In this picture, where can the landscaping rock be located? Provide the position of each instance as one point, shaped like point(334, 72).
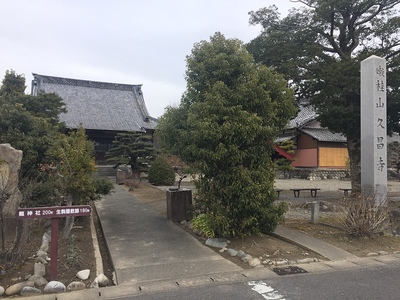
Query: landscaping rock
point(30, 291)
point(216, 243)
point(38, 281)
point(83, 275)
point(41, 260)
point(54, 287)
point(44, 246)
point(246, 258)
point(372, 254)
point(383, 253)
point(46, 237)
point(267, 262)
point(102, 280)
point(280, 262)
point(94, 284)
point(41, 253)
point(2, 290)
point(306, 260)
point(15, 288)
point(255, 262)
point(11, 163)
point(232, 252)
point(39, 269)
point(240, 254)
point(76, 286)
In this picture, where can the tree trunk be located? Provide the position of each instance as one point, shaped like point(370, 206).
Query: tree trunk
point(23, 233)
point(69, 222)
point(354, 146)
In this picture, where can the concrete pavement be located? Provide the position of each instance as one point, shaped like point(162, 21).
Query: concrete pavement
point(328, 251)
point(145, 246)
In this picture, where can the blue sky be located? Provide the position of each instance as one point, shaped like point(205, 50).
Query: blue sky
point(134, 42)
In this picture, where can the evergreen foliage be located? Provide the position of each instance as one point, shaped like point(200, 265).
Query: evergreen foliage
point(74, 157)
point(48, 106)
point(75, 163)
point(283, 163)
point(23, 129)
point(223, 129)
point(160, 172)
point(134, 149)
point(13, 85)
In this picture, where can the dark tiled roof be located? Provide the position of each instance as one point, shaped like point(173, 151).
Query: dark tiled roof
point(305, 115)
point(324, 135)
point(98, 105)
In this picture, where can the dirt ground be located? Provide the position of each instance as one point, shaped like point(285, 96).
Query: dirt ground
point(78, 253)
point(74, 255)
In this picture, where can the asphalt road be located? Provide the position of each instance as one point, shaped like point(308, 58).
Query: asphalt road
point(362, 283)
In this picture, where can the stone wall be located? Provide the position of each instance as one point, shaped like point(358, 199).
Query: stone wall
point(313, 174)
point(323, 174)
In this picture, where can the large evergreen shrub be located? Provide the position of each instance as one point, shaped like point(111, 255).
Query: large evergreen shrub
point(161, 173)
point(223, 130)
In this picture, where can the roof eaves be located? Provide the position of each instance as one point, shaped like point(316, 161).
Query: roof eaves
point(324, 135)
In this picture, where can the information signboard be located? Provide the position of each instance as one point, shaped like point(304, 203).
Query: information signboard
point(54, 213)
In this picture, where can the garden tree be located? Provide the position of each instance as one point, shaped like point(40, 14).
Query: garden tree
point(45, 105)
point(171, 128)
point(23, 131)
point(73, 157)
point(28, 127)
point(13, 85)
point(224, 129)
point(161, 172)
point(132, 148)
point(319, 48)
point(282, 163)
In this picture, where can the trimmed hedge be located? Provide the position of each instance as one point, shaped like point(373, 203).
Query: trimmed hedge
point(161, 173)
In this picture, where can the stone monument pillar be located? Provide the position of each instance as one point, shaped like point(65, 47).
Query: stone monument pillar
point(374, 129)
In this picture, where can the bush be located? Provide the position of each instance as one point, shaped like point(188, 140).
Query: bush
point(362, 218)
point(161, 173)
point(102, 186)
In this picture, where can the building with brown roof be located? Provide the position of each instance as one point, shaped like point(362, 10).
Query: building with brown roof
point(316, 147)
point(102, 108)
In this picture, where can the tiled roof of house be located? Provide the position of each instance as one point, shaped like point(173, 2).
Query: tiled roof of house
point(305, 115)
point(98, 105)
point(306, 121)
point(324, 135)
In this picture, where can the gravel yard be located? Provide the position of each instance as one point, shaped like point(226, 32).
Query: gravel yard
point(329, 188)
point(329, 194)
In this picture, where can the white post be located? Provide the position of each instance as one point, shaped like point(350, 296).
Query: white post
point(374, 129)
